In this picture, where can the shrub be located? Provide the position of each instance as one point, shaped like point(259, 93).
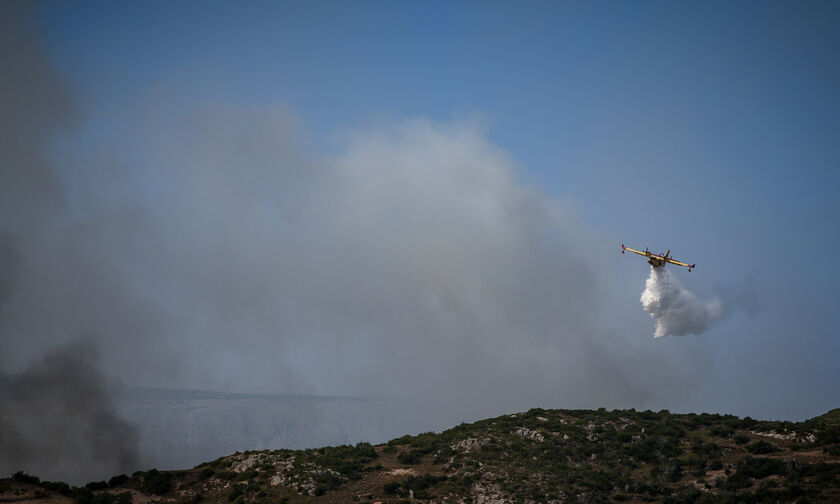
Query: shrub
point(741, 439)
point(685, 495)
point(156, 482)
point(410, 457)
point(56, 486)
point(124, 498)
point(832, 449)
point(759, 468)
point(96, 485)
point(235, 492)
point(761, 447)
point(666, 473)
point(365, 450)
point(705, 449)
point(326, 481)
point(26, 478)
point(721, 431)
point(244, 475)
point(86, 496)
point(391, 487)
point(82, 495)
point(653, 448)
point(117, 480)
point(418, 483)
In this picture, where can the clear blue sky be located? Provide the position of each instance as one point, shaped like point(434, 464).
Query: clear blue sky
point(711, 128)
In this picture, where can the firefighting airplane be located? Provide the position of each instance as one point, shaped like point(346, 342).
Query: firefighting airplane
point(658, 260)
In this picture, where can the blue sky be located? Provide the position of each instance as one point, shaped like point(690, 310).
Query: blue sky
point(644, 105)
point(711, 129)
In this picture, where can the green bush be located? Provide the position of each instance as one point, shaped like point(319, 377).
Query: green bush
point(364, 450)
point(832, 449)
point(443, 455)
point(117, 480)
point(721, 431)
point(653, 448)
point(156, 482)
point(56, 486)
point(418, 483)
point(410, 457)
point(26, 478)
point(758, 468)
point(124, 498)
point(246, 475)
point(741, 439)
point(761, 447)
point(82, 495)
point(326, 481)
point(235, 492)
point(86, 496)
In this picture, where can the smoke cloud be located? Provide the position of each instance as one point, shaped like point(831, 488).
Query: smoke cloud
point(674, 309)
point(58, 419)
point(210, 246)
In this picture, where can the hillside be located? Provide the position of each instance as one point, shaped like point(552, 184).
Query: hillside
point(538, 456)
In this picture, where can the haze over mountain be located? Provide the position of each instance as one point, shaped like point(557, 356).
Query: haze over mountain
point(182, 428)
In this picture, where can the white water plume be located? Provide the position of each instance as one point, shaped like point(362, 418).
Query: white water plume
point(675, 309)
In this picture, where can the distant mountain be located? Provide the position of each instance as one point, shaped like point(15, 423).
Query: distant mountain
point(538, 456)
point(181, 428)
point(40, 420)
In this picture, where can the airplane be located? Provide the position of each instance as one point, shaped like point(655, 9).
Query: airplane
point(658, 260)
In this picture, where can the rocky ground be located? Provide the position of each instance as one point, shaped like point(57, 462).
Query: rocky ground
point(538, 456)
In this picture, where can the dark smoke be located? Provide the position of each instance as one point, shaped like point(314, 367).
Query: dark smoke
point(9, 265)
point(57, 419)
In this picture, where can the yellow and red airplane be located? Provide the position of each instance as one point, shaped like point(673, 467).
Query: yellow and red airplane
point(658, 260)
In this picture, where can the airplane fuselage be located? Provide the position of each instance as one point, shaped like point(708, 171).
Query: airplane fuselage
point(656, 261)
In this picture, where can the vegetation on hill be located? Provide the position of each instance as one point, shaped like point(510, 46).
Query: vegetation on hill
point(540, 456)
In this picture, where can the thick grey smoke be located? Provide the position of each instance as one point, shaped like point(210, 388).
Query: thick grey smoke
point(59, 421)
point(56, 419)
point(411, 262)
point(674, 309)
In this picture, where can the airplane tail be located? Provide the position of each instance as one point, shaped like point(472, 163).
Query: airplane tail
point(667, 254)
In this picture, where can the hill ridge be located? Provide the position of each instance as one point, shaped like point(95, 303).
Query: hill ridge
point(534, 456)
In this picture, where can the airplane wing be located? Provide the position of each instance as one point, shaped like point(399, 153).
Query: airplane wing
point(678, 263)
point(623, 248)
